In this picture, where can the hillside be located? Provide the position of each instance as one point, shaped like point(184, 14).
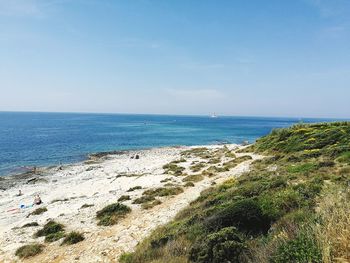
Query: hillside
point(293, 206)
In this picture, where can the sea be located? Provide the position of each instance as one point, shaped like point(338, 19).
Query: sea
point(29, 139)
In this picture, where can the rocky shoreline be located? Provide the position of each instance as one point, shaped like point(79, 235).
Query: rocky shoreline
point(72, 195)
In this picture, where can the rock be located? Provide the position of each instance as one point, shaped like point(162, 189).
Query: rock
point(137, 157)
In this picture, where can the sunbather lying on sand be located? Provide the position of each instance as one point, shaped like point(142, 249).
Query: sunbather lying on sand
point(37, 200)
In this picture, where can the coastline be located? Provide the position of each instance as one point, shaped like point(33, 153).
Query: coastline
point(12, 179)
point(99, 181)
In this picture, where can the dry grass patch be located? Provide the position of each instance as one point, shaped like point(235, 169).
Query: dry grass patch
point(124, 198)
point(50, 227)
point(73, 238)
point(111, 214)
point(29, 250)
point(38, 211)
point(334, 230)
point(193, 178)
point(150, 205)
point(134, 188)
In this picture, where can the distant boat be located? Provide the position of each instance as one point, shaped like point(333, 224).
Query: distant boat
point(213, 115)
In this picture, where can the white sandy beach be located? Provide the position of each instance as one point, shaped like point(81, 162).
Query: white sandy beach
point(99, 184)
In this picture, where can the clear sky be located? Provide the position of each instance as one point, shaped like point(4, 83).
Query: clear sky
point(232, 57)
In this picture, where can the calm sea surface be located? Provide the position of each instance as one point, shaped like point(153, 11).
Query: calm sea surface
point(41, 139)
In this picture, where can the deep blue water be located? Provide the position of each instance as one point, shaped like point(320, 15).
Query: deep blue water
point(41, 139)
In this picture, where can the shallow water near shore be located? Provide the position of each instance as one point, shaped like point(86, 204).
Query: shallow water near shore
point(40, 139)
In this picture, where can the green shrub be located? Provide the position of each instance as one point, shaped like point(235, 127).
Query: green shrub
point(223, 246)
point(172, 168)
point(277, 204)
point(111, 214)
point(302, 168)
point(30, 224)
point(193, 178)
point(134, 188)
point(54, 236)
point(29, 250)
point(189, 184)
point(86, 205)
point(38, 211)
point(126, 258)
point(144, 199)
point(162, 191)
point(50, 227)
point(197, 167)
point(344, 158)
point(246, 215)
point(73, 238)
point(124, 198)
point(150, 205)
point(302, 249)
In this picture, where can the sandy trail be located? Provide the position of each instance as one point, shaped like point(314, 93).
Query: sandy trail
point(100, 185)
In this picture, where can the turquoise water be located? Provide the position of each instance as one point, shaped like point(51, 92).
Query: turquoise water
point(41, 139)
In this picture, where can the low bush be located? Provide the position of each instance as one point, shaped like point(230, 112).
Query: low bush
point(86, 205)
point(302, 249)
point(197, 167)
point(150, 205)
point(30, 224)
point(344, 158)
point(54, 236)
point(162, 191)
point(50, 227)
point(276, 204)
point(124, 198)
point(143, 199)
point(38, 211)
point(193, 178)
point(174, 169)
point(111, 214)
point(134, 188)
point(29, 250)
point(223, 246)
point(73, 238)
point(301, 168)
point(189, 184)
point(246, 215)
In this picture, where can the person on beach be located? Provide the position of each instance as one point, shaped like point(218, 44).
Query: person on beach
point(37, 200)
point(19, 192)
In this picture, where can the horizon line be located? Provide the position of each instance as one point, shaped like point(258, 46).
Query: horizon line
point(172, 114)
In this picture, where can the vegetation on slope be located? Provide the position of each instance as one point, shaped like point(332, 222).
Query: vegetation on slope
point(293, 206)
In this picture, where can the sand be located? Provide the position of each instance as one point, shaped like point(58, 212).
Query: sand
point(100, 182)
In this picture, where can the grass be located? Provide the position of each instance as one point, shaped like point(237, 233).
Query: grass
point(162, 191)
point(87, 205)
point(73, 238)
point(201, 152)
point(124, 198)
point(193, 178)
point(50, 227)
point(143, 199)
point(197, 167)
point(134, 188)
point(334, 231)
point(296, 212)
point(54, 236)
point(189, 184)
point(29, 250)
point(38, 211)
point(148, 199)
point(111, 214)
point(150, 205)
point(173, 169)
point(30, 224)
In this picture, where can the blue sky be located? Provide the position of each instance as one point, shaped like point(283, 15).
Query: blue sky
point(244, 57)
